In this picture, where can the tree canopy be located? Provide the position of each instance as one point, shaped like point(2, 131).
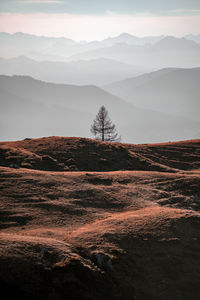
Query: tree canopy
point(103, 128)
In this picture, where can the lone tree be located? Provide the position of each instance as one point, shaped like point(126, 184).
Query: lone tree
point(102, 127)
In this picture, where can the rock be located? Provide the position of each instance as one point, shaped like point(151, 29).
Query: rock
point(195, 198)
point(190, 208)
point(73, 168)
point(49, 159)
point(15, 166)
point(104, 262)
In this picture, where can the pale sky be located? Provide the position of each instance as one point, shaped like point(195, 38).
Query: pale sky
point(98, 19)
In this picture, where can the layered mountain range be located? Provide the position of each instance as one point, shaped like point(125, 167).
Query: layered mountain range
point(33, 108)
point(171, 90)
point(62, 60)
point(55, 86)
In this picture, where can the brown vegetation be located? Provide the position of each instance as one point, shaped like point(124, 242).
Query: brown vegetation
point(79, 154)
point(99, 235)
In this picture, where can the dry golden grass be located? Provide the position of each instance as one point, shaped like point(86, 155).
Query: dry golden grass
point(129, 234)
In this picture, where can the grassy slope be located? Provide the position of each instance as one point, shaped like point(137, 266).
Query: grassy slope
point(53, 224)
point(62, 154)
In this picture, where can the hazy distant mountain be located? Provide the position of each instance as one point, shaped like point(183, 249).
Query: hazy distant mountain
point(120, 51)
point(167, 52)
point(32, 108)
point(41, 47)
point(58, 49)
point(21, 43)
point(131, 40)
point(171, 43)
point(195, 38)
point(150, 53)
point(99, 71)
point(175, 91)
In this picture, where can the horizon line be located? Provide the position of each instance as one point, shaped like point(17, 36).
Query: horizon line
point(99, 40)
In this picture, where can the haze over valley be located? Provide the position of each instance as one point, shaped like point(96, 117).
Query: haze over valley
point(56, 109)
point(62, 60)
point(55, 86)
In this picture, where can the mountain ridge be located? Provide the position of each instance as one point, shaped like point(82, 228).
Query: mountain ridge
point(73, 108)
point(171, 90)
point(72, 72)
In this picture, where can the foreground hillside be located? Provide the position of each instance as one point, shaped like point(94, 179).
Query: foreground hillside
point(128, 234)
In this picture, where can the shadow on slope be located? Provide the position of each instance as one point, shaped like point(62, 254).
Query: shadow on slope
point(79, 154)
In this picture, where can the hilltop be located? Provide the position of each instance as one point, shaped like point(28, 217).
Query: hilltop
point(80, 154)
